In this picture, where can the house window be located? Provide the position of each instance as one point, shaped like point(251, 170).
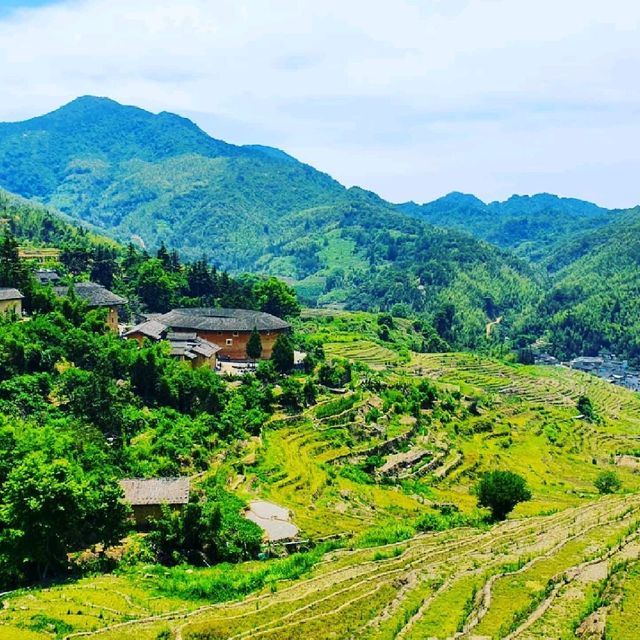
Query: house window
point(235, 334)
point(229, 342)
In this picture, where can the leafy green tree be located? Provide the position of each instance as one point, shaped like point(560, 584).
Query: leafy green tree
point(292, 397)
point(104, 265)
point(282, 354)
point(155, 286)
point(501, 491)
point(607, 482)
point(49, 508)
point(275, 297)
point(586, 408)
point(254, 345)
point(13, 272)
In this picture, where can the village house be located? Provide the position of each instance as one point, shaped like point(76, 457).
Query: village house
point(47, 276)
point(97, 297)
point(146, 497)
point(185, 346)
point(229, 329)
point(40, 255)
point(10, 301)
point(190, 348)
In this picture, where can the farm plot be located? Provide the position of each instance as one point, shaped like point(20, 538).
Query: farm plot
point(511, 579)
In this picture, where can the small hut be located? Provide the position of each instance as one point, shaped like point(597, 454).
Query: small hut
point(146, 497)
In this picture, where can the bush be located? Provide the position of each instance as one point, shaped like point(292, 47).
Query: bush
point(607, 482)
point(501, 491)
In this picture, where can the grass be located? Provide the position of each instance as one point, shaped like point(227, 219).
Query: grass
point(386, 581)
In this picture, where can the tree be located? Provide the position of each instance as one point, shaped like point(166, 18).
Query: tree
point(282, 354)
point(501, 491)
point(51, 507)
point(275, 297)
point(156, 287)
point(254, 345)
point(292, 397)
point(607, 482)
point(586, 408)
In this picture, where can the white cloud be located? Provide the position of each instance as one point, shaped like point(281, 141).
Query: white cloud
point(408, 98)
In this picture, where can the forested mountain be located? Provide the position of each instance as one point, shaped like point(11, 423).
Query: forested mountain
point(40, 226)
point(532, 226)
point(254, 208)
point(595, 302)
point(158, 177)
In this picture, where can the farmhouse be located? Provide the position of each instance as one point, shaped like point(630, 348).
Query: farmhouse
point(96, 296)
point(47, 276)
point(146, 497)
point(10, 301)
point(227, 328)
point(190, 348)
point(41, 255)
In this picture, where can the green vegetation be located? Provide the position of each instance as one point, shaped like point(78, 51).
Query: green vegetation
point(531, 226)
point(608, 482)
point(501, 491)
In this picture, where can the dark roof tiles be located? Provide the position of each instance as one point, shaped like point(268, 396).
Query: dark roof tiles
point(95, 295)
point(8, 293)
point(208, 319)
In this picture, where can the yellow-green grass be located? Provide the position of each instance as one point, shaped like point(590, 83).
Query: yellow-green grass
point(623, 617)
point(291, 470)
point(379, 593)
point(366, 351)
point(85, 605)
point(515, 593)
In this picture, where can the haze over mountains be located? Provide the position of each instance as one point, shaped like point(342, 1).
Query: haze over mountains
point(159, 178)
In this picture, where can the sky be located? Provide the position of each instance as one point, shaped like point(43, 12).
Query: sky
point(411, 99)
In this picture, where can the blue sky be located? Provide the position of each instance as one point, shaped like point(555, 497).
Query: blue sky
point(8, 6)
point(409, 98)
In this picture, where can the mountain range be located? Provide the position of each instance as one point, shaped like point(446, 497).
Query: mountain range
point(147, 178)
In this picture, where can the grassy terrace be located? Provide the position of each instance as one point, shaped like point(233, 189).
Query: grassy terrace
point(483, 582)
point(561, 559)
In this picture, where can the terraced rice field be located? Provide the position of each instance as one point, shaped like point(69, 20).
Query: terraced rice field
point(375, 355)
point(547, 386)
point(525, 578)
point(294, 461)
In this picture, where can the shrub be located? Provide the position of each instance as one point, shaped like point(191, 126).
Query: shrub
point(501, 491)
point(607, 482)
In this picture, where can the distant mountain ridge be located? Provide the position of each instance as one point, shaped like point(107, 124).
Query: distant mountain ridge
point(529, 225)
point(131, 174)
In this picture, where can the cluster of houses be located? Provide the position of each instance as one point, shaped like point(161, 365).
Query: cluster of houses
point(204, 336)
point(605, 365)
point(201, 336)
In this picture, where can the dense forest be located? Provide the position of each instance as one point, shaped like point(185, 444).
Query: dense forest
point(492, 276)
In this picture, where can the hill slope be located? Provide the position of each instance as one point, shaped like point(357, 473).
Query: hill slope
point(160, 178)
point(529, 225)
point(595, 302)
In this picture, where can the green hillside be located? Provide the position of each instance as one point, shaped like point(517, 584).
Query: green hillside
point(158, 178)
point(36, 225)
point(595, 302)
point(416, 558)
point(531, 226)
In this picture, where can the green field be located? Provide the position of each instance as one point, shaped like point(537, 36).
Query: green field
point(562, 560)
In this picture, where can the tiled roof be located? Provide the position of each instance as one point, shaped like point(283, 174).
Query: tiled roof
point(208, 319)
point(156, 491)
point(7, 293)
point(46, 276)
point(190, 346)
point(94, 294)
point(150, 328)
